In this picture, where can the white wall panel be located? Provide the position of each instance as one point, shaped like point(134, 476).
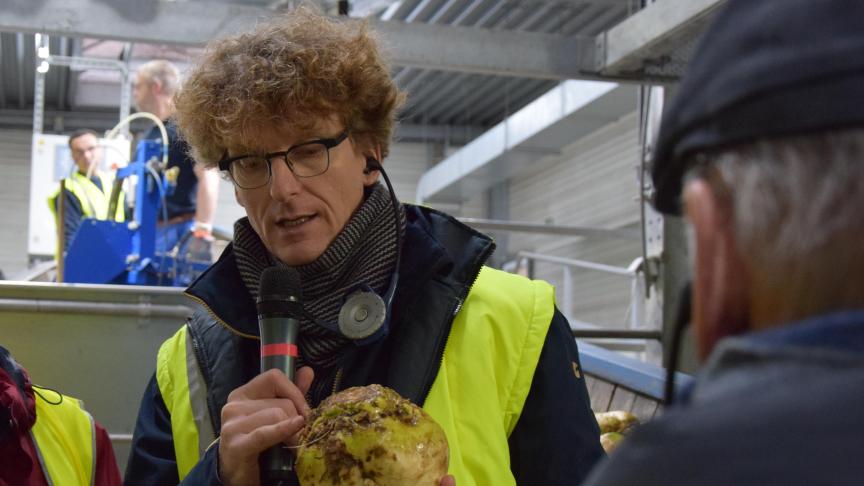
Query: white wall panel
point(14, 199)
point(405, 164)
point(592, 184)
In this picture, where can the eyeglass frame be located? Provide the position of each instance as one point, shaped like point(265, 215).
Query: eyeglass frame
point(329, 143)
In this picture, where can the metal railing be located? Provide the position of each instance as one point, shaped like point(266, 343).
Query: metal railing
point(631, 273)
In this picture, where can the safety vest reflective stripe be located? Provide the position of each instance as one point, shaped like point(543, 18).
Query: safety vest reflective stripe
point(185, 394)
point(65, 438)
point(484, 378)
point(486, 373)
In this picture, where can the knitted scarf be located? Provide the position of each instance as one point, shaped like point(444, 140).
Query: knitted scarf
point(364, 252)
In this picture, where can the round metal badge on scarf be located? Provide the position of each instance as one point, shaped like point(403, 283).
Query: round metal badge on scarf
point(362, 315)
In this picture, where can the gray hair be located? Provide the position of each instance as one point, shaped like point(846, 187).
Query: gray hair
point(798, 211)
point(163, 71)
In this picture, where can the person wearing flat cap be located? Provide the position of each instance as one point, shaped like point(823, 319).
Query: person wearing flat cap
point(763, 151)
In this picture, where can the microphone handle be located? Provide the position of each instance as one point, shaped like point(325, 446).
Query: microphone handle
point(278, 350)
point(278, 344)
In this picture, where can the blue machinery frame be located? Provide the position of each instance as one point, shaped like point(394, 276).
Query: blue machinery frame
point(125, 253)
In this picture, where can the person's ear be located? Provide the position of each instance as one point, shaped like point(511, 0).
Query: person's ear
point(373, 164)
point(721, 290)
point(371, 171)
point(157, 86)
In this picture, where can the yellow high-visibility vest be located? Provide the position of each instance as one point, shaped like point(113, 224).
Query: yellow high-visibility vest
point(477, 397)
point(65, 438)
point(94, 202)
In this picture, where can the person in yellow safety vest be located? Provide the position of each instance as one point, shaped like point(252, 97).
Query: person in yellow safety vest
point(87, 191)
point(47, 438)
point(299, 114)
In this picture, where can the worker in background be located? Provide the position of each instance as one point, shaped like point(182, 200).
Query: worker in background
point(299, 113)
point(86, 192)
point(763, 151)
point(48, 438)
point(191, 207)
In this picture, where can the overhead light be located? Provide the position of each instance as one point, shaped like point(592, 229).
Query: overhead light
point(43, 67)
point(42, 52)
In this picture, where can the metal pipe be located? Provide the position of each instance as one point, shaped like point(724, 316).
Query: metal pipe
point(61, 230)
point(37, 271)
point(222, 234)
point(624, 272)
point(568, 291)
point(19, 57)
point(616, 334)
point(76, 289)
point(99, 308)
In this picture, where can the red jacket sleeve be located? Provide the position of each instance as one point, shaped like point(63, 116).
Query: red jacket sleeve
point(107, 473)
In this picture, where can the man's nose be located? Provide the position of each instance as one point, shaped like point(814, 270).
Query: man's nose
point(283, 183)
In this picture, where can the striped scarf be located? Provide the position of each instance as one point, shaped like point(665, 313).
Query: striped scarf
point(363, 253)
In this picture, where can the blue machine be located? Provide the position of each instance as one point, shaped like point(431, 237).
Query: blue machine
point(125, 253)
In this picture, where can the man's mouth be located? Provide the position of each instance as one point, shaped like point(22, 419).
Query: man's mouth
point(291, 223)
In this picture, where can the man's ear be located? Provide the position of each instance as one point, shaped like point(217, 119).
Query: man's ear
point(373, 161)
point(721, 290)
point(157, 86)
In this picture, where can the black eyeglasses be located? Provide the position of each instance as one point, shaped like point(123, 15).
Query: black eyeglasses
point(307, 159)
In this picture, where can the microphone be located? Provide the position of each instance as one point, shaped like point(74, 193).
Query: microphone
point(279, 300)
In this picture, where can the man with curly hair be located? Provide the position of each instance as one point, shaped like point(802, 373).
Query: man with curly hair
point(298, 114)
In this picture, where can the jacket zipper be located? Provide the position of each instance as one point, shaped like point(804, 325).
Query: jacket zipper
point(204, 367)
point(336, 381)
point(452, 315)
point(222, 323)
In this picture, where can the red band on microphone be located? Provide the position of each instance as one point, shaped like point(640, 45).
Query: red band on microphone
point(281, 349)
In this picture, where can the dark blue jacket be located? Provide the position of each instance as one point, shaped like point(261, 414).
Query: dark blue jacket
point(555, 442)
point(779, 407)
point(182, 200)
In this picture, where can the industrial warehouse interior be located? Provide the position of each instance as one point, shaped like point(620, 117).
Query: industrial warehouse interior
point(180, 216)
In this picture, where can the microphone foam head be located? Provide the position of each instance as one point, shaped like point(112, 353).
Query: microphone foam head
point(279, 283)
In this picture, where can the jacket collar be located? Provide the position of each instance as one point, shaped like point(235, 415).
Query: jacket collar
point(756, 361)
point(435, 245)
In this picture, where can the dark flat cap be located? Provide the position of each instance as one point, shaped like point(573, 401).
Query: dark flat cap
point(763, 69)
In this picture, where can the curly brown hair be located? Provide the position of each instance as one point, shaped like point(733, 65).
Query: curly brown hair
point(292, 71)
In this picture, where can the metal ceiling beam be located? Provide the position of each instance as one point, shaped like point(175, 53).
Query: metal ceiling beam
point(578, 2)
point(452, 134)
point(650, 33)
point(63, 78)
point(2, 82)
point(424, 8)
point(19, 58)
point(105, 120)
point(192, 23)
point(446, 10)
point(477, 50)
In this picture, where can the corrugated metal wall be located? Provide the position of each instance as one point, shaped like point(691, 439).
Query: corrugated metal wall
point(14, 199)
point(592, 184)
